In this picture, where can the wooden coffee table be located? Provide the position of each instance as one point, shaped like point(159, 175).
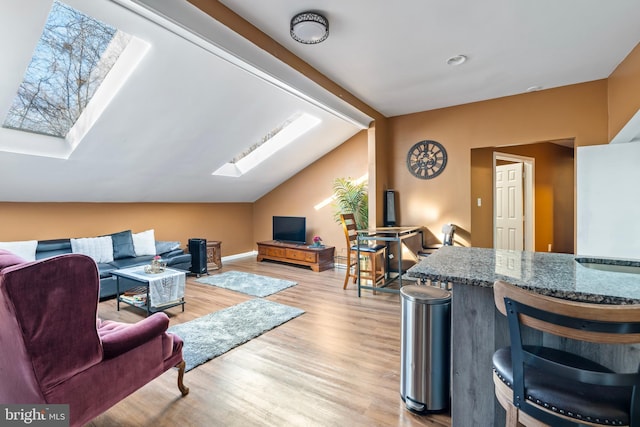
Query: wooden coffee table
point(168, 285)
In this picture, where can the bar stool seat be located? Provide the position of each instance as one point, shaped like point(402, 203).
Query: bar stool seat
point(566, 398)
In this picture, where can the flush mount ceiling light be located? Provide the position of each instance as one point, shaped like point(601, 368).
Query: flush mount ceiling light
point(457, 60)
point(309, 28)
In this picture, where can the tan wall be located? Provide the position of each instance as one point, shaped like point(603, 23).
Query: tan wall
point(299, 195)
point(229, 222)
point(577, 111)
point(554, 188)
point(624, 87)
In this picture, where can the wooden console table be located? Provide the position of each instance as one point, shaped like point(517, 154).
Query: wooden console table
point(319, 259)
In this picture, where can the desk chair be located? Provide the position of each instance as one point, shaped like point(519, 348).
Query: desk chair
point(374, 270)
point(540, 386)
point(448, 233)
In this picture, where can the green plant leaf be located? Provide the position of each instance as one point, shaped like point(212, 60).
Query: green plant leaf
point(351, 197)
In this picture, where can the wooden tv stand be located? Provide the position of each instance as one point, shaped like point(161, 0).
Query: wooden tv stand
point(319, 259)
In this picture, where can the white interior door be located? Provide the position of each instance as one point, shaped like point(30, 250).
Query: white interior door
point(509, 227)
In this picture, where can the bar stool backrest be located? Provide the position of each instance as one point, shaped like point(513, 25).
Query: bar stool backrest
point(590, 322)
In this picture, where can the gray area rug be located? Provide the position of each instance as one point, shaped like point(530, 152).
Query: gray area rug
point(247, 283)
point(216, 333)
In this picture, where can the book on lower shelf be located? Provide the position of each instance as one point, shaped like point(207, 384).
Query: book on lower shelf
point(137, 300)
point(138, 290)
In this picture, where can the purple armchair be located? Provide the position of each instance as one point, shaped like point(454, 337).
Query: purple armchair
point(54, 349)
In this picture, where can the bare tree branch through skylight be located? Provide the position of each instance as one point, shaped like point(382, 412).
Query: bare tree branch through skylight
point(72, 58)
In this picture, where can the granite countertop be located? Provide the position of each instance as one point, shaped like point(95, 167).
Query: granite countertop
point(557, 275)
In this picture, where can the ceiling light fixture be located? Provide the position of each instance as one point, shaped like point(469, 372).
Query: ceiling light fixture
point(534, 88)
point(457, 60)
point(309, 28)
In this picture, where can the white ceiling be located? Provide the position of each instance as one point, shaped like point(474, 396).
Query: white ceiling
point(189, 107)
point(392, 55)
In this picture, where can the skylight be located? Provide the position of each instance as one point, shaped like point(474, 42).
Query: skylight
point(268, 145)
point(72, 59)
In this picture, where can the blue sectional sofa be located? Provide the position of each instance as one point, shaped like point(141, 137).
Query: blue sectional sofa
point(175, 258)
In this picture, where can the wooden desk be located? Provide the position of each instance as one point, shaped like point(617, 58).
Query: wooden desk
point(319, 259)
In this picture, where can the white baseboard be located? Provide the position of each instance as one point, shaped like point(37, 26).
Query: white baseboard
point(238, 256)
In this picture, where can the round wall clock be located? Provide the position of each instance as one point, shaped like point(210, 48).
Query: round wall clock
point(426, 159)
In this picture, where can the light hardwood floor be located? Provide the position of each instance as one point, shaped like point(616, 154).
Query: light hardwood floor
point(337, 364)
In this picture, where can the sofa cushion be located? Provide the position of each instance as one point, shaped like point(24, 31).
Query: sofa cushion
point(168, 255)
point(123, 245)
point(105, 269)
point(98, 248)
point(49, 248)
point(176, 259)
point(131, 262)
point(144, 243)
point(25, 249)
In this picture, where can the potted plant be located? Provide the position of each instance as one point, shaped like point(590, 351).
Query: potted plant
point(351, 197)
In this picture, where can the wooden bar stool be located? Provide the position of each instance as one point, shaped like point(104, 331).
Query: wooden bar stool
point(540, 386)
point(374, 269)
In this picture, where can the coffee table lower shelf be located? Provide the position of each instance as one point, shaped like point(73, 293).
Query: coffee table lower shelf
point(147, 308)
point(143, 288)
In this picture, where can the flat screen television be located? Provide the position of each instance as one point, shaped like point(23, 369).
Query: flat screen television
point(290, 229)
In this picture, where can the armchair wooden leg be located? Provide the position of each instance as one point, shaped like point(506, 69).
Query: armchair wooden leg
point(183, 389)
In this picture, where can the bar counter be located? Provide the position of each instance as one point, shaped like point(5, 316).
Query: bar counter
point(478, 329)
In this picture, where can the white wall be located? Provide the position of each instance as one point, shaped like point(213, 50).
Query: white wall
point(608, 200)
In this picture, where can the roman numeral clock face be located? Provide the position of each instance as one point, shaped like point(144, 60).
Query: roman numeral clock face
point(426, 159)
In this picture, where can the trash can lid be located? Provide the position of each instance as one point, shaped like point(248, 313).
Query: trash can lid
point(425, 294)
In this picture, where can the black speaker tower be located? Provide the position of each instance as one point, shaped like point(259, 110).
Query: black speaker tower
point(390, 208)
point(198, 251)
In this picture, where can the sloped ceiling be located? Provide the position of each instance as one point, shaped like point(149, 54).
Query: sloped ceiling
point(182, 114)
point(191, 105)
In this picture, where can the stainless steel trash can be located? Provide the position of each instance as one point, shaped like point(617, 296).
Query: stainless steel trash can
point(425, 348)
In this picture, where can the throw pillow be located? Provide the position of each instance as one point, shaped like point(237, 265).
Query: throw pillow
point(8, 258)
point(98, 248)
point(144, 243)
point(24, 249)
point(123, 245)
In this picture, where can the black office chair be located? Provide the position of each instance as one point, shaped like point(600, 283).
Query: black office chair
point(541, 386)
